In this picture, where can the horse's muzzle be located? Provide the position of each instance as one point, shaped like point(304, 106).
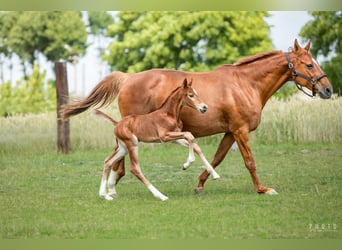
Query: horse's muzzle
point(325, 92)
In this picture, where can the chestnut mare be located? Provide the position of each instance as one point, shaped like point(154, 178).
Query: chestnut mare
point(161, 125)
point(236, 95)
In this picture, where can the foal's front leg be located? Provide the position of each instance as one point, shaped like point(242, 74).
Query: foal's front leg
point(183, 138)
point(190, 142)
point(191, 156)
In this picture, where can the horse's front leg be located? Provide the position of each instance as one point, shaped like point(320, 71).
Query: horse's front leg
point(225, 144)
point(241, 137)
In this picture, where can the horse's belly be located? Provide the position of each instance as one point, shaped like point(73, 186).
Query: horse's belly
point(203, 124)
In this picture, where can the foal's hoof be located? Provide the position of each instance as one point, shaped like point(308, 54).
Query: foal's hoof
point(216, 176)
point(107, 197)
point(186, 165)
point(271, 191)
point(199, 191)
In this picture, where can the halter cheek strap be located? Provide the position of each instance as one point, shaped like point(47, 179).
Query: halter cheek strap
point(296, 74)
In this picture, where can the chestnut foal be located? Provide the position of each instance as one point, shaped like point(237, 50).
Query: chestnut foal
point(161, 125)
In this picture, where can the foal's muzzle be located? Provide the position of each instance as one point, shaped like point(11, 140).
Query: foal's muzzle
point(203, 108)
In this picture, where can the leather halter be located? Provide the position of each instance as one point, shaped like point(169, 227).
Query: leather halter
point(296, 74)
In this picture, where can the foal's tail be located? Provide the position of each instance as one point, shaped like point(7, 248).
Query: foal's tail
point(103, 94)
point(103, 115)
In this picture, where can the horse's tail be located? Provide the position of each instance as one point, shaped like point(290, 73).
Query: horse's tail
point(103, 115)
point(103, 94)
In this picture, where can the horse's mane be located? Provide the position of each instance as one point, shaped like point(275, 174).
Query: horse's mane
point(250, 59)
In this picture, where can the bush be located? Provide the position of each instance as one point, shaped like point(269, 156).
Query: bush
point(28, 96)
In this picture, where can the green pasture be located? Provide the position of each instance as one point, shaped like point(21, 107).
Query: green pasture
point(298, 152)
point(56, 196)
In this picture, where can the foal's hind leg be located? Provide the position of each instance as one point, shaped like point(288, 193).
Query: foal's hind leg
point(120, 152)
point(136, 170)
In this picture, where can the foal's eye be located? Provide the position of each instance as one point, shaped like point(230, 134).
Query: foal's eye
point(191, 95)
point(309, 66)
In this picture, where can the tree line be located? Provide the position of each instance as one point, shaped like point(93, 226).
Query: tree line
point(194, 41)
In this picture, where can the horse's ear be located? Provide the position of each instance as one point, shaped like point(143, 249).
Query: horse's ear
point(185, 83)
point(307, 46)
point(190, 83)
point(296, 45)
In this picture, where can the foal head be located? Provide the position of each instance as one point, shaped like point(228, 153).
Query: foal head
point(307, 73)
point(191, 98)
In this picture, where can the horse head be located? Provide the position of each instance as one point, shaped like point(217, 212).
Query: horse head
point(191, 98)
point(307, 73)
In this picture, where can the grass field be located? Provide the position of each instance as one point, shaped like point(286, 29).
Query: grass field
point(298, 151)
point(56, 196)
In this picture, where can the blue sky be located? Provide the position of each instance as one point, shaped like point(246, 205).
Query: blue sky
point(285, 26)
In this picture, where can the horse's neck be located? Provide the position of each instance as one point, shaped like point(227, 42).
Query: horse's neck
point(268, 75)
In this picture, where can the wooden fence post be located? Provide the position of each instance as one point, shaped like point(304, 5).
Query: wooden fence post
point(62, 92)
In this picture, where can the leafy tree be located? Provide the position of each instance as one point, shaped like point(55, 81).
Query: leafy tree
point(185, 40)
point(325, 31)
point(28, 96)
point(64, 29)
point(99, 22)
point(30, 33)
point(7, 21)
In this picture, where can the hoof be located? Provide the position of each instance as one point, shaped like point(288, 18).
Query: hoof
point(271, 191)
point(216, 176)
point(199, 191)
point(107, 197)
point(162, 197)
point(113, 194)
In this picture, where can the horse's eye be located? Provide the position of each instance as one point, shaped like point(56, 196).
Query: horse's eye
point(309, 66)
point(191, 95)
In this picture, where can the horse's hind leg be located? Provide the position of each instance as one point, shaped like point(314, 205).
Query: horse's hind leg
point(136, 170)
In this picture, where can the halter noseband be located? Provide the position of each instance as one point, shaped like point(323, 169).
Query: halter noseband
point(296, 74)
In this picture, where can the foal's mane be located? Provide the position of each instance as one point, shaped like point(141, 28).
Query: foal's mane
point(169, 96)
point(257, 57)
